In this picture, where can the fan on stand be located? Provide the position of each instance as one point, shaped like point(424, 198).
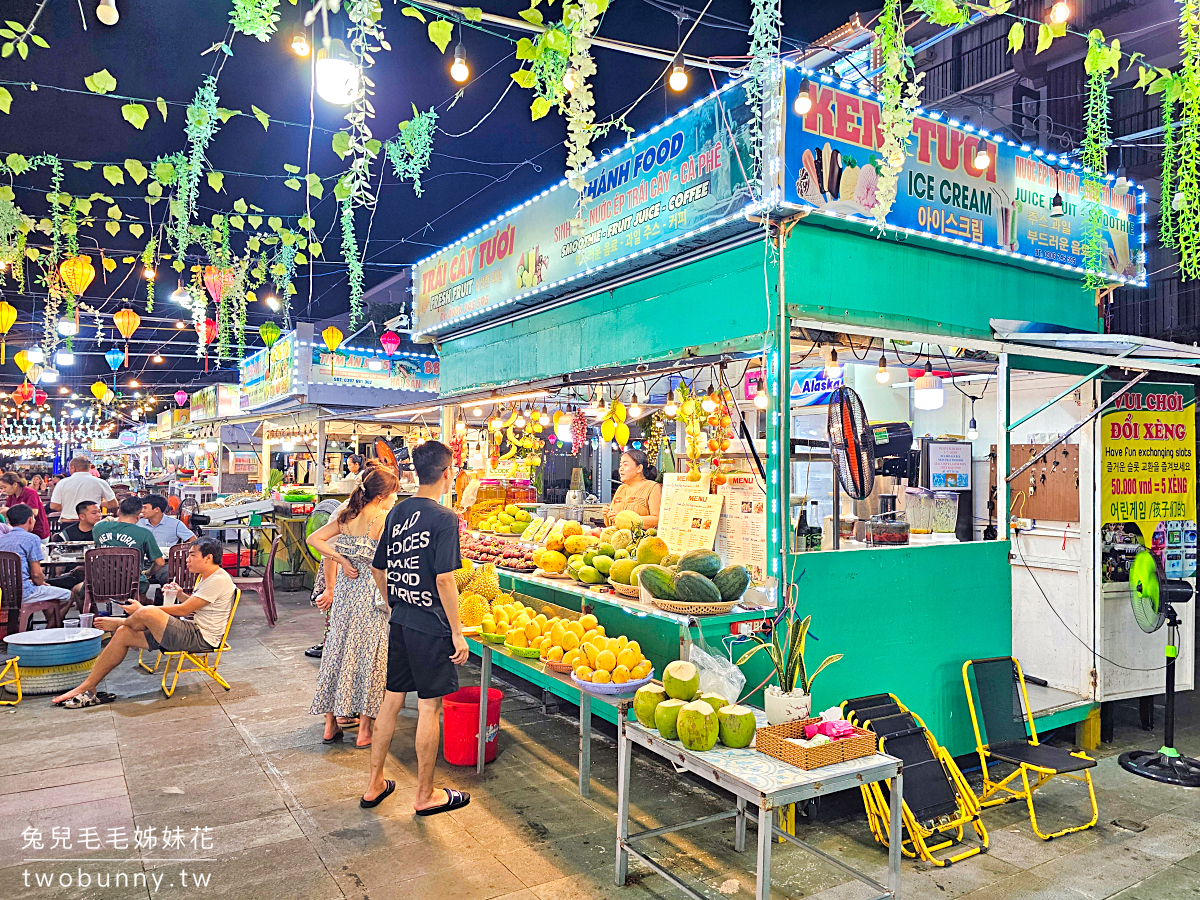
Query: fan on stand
point(851, 443)
point(384, 453)
point(318, 518)
point(1153, 597)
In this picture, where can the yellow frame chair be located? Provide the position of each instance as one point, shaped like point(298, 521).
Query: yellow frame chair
point(199, 661)
point(938, 803)
point(1012, 738)
point(11, 674)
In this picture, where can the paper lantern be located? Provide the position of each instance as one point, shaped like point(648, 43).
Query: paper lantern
point(390, 341)
point(23, 392)
point(127, 322)
point(8, 318)
point(269, 332)
point(108, 397)
point(34, 373)
point(22, 360)
point(99, 389)
point(114, 357)
point(180, 398)
point(39, 397)
point(217, 280)
point(332, 336)
point(77, 273)
point(207, 332)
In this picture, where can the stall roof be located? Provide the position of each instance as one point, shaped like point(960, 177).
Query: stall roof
point(1124, 346)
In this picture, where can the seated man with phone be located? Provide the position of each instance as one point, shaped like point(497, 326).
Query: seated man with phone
point(164, 627)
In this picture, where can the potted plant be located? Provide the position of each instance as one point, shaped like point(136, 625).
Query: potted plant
point(791, 700)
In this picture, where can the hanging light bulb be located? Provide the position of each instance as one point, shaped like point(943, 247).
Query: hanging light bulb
point(760, 397)
point(181, 296)
point(157, 358)
point(460, 426)
point(679, 76)
point(148, 273)
point(35, 355)
point(570, 79)
point(927, 390)
point(459, 70)
point(983, 159)
point(832, 369)
point(49, 375)
point(477, 411)
point(544, 417)
point(374, 365)
point(672, 408)
point(634, 410)
point(594, 401)
point(1056, 206)
point(883, 376)
point(338, 78)
point(708, 404)
point(63, 389)
point(1179, 201)
point(520, 422)
point(1121, 185)
point(67, 327)
point(133, 382)
point(107, 13)
point(300, 45)
point(64, 358)
point(803, 102)
point(972, 430)
point(1060, 12)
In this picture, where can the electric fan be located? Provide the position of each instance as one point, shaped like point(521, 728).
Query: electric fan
point(851, 443)
point(383, 452)
point(1153, 597)
point(187, 508)
point(318, 518)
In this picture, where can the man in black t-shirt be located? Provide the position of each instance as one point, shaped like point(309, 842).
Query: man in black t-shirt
point(414, 568)
point(88, 514)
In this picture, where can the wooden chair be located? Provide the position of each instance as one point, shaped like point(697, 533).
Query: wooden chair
point(110, 575)
point(200, 661)
point(12, 592)
point(264, 586)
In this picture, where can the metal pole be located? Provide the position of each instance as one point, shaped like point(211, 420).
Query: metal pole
point(1076, 386)
point(1002, 434)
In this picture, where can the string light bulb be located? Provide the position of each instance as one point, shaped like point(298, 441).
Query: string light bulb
point(520, 422)
point(803, 102)
point(832, 369)
point(338, 78)
point(1056, 206)
point(300, 44)
point(679, 76)
point(477, 411)
point(928, 392)
point(156, 358)
point(634, 409)
point(544, 418)
point(708, 404)
point(883, 376)
point(107, 13)
point(570, 79)
point(1060, 12)
point(760, 397)
point(148, 273)
point(459, 70)
point(672, 408)
point(983, 159)
point(594, 401)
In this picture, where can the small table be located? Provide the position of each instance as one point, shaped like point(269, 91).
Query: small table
point(622, 704)
point(762, 781)
point(61, 561)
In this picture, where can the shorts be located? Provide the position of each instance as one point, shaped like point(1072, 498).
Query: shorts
point(420, 662)
point(180, 635)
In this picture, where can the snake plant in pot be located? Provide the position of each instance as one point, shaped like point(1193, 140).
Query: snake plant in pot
point(791, 699)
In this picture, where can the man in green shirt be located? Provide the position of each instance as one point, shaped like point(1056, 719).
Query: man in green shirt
point(126, 532)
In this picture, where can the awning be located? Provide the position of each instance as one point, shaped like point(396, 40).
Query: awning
point(1120, 346)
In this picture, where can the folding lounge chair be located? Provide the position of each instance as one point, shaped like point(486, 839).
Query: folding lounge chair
point(938, 803)
point(1012, 738)
point(200, 661)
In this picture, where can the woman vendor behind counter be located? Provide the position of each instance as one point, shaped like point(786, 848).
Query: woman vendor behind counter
point(639, 492)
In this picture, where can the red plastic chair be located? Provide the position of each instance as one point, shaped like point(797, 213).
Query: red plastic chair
point(264, 586)
point(15, 613)
point(110, 575)
point(177, 568)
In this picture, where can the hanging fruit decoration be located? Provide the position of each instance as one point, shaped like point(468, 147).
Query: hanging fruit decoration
point(127, 322)
point(206, 331)
point(579, 426)
point(613, 427)
point(217, 280)
point(180, 396)
point(722, 435)
point(23, 393)
point(390, 341)
point(8, 318)
point(99, 389)
point(77, 273)
point(22, 361)
point(332, 336)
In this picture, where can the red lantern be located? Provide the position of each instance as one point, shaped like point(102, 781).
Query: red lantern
point(217, 280)
point(23, 393)
point(207, 332)
point(39, 397)
point(390, 341)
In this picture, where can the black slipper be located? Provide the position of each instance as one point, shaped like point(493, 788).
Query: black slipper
point(454, 800)
point(105, 696)
point(335, 739)
point(389, 786)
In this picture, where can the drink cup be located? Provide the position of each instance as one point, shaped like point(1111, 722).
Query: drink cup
point(170, 593)
point(86, 619)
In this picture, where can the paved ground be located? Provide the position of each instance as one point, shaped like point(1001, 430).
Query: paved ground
point(283, 816)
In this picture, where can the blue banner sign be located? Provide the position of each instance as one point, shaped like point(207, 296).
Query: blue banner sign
point(1008, 206)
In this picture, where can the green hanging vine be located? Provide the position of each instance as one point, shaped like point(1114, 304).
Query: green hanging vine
point(1167, 233)
point(1101, 59)
point(899, 94)
point(581, 114)
point(764, 45)
point(1187, 153)
point(366, 37)
point(202, 124)
point(256, 18)
point(354, 268)
point(148, 263)
point(409, 153)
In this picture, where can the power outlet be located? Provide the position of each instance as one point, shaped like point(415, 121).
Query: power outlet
point(1021, 524)
point(747, 628)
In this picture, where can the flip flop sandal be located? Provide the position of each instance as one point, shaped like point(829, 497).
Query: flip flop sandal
point(105, 696)
point(336, 738)
point(81, 701)
point(348, 724)
point(454, 800)
point(366, 746)
point(389, 786)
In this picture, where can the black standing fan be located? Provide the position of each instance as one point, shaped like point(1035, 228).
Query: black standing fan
point(851, 443)
point(1153, 597)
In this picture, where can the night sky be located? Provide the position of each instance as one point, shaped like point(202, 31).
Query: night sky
point(155, 50)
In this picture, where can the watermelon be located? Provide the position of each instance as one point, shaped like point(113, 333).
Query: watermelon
point(692, 587)
point(705, 562)
point(658, 582)
point(732, 582)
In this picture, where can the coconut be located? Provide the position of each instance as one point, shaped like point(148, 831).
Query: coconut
point(698, 726)
point(681, 680)
point(716, 701)
point(645, 701)
point(665, 715)
point(737, 726)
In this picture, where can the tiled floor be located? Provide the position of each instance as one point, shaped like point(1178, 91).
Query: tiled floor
point(282, 816)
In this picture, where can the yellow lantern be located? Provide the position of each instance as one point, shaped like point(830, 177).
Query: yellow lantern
point(127, 322)
point(332, 337)
point(77, 273)
point(99, 389)
point(22, 360)
point(8, 318)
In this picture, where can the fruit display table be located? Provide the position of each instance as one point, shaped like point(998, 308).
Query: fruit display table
point(616, 707)
point(760, 781)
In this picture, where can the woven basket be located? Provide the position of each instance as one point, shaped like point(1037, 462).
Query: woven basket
point(694, 609)
point(493, 638)
point(773, 741)
point(560, 667)
point(528, 652)
point(625, 590)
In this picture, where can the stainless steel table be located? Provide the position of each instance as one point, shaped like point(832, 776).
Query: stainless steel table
point(760, 781)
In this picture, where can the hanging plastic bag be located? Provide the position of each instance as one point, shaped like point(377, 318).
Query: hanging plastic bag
point(717, 674)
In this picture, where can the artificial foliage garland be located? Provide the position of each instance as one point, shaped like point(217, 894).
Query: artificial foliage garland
point(1094, 155)
point(366, 37)
point(256, 18)
point(148, 262)
point(899, 94)
point(354, 268)
point(765, 24)
point(202, 124)
point(1186, 220)
point(199, 308)
point(1167, 233)
point(581, 113)
point(409, 153)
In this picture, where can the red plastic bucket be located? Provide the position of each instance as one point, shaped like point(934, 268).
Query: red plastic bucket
point(460, 721)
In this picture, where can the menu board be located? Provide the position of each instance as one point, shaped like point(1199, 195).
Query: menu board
point(742, 530)
point(687, 519)
point(1148, 477)
point(949, 465)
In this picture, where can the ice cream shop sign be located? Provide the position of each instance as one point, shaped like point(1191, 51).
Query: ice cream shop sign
point(1019, 202)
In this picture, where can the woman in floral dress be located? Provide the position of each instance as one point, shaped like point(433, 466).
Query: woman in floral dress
point(353, 673)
